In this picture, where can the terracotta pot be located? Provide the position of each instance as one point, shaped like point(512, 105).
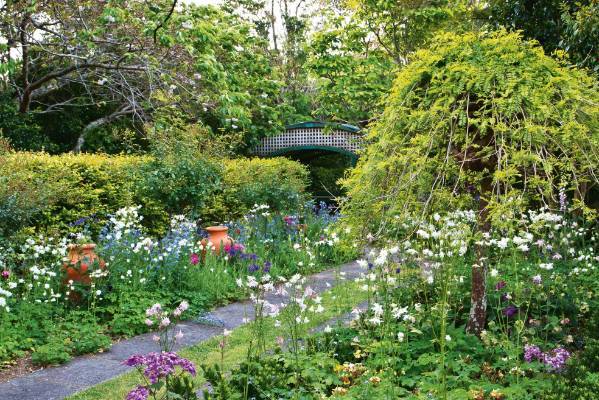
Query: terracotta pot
point(217, 236)
point(79, 260)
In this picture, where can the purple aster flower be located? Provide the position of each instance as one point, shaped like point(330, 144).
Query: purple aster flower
point(370, 266)
point(139, 393)
point(500, 285)
point(537, 280)
point(397, 270)
point(532, 352)
point(510, 311)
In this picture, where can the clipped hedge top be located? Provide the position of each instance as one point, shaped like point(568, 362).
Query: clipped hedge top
point(48, 191)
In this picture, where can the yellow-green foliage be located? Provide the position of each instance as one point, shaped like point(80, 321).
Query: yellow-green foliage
point(279, 182)
point(486, 114)
point(52, 192)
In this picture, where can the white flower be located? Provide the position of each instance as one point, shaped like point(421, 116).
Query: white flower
point(328, 329)
point(494, 272)
point(502, 243)
point(400, 336)
point(179, 335)
point(399, 312)
point(447, 338)
point(98, 292)
point(377, 309)
point(422, 233)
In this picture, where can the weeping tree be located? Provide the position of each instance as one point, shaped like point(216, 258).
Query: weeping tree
point(486, 121)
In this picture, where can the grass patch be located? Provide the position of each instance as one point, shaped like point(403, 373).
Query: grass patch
point(337, 301)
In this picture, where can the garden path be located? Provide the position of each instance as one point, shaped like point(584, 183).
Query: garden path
point(56, 383)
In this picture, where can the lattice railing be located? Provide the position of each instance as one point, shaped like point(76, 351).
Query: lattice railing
point(309, 137)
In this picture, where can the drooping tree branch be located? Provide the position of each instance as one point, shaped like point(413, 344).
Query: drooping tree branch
point(165, 20)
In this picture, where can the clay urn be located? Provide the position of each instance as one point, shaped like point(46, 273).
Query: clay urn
point(217, 236)
point(80, 259)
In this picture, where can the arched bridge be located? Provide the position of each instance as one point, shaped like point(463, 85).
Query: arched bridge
point(307, 136)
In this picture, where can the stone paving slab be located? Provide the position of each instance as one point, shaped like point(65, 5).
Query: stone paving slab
point(55, 383)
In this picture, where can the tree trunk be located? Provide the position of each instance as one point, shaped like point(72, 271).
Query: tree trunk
point(478, 297)
point(124, 110)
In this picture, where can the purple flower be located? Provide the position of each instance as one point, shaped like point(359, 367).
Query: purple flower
point(370, 266)
point(266, 267)
point(556, 359)
point(253, 268)
point(194, 258)
point(504, 297)
point(160, 365)
point(532, 352)
point(397, 270)
point(139, 393)
point(537, 280)
point(6, 274)
point(135, 360)
point(510, 311)
point(500, 285)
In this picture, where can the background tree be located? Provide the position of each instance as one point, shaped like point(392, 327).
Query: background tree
point(572, 26)
point(361, 45)
point(484, 121)
point(95, 63)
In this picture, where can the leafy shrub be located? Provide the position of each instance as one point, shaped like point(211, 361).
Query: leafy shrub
point(181, 185)
point(56, 351)
point(55, 192)
point(278, 182)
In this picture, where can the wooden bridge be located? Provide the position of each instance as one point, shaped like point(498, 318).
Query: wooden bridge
point(310, 136)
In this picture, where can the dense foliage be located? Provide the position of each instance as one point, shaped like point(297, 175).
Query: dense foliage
point(484, 115)
point(58, 192)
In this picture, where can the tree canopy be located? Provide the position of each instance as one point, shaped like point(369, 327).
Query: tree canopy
point(476, 115)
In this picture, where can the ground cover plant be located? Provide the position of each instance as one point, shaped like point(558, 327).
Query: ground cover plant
point(54, 318)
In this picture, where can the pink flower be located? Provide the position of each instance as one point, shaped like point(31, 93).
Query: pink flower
point(165, 322)
point(149, 322)
point(179, 335)
point(6, 274)
point(195, 258)
point(184, 305)
point(155, 309)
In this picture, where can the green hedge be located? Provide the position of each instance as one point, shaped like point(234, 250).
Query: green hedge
point(53, 192)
